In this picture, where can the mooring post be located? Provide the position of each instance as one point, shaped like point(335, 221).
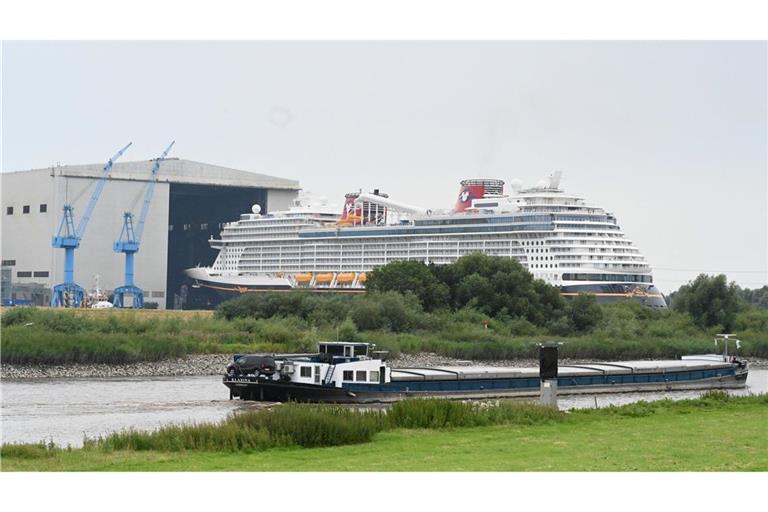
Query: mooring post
point(548, 373)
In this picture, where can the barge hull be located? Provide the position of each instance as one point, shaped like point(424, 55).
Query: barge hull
point(275, 391)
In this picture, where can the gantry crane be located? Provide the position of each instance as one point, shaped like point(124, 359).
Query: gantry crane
point(68, 293)
point(130, 240)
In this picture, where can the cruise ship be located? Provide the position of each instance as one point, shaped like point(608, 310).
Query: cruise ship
point(559, 238)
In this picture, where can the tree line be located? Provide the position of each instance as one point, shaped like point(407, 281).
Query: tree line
point(402, 295)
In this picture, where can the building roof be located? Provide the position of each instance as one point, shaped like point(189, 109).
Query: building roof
point(174, 170)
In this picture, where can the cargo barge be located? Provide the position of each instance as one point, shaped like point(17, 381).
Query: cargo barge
point(346, 372)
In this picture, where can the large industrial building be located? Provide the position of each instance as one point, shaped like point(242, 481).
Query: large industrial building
point(191, 202)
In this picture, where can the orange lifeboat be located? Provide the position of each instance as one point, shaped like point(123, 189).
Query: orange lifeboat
point(323, 278)
point(362, 278)
point(345, 278)
point(303, 278)
point(350, 220)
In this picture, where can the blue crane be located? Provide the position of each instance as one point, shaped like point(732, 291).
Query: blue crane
point(69, 293)
point(130, 240)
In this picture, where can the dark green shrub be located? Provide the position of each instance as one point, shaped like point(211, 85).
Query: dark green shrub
point(584, 312)
point(348, 331)
point(368, 315)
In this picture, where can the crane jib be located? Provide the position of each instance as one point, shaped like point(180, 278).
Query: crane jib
point(68, 238)
point(130, 240)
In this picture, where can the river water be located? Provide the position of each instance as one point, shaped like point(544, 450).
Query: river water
point(65, 410)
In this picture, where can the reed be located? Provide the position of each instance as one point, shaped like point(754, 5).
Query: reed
point(287, 425)
point(314, 425)
point(29, 451)
point(201, 436)
point(441, 413)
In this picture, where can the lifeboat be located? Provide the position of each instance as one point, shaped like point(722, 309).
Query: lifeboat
point(362, 278)
point(303, 278)
point(324, 278)
point(345, 278)
point(350, 220)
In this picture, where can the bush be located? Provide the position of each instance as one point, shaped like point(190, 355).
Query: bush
point(348, 330)
point(18, 316)
point(389, 311)
point(584, 312)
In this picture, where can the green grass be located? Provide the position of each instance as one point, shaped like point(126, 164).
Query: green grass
point(712, 434)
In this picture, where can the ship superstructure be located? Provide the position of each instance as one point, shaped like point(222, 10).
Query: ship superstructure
point(559, 238)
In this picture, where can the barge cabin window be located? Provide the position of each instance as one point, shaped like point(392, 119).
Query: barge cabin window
point(334, 350)
point(345, 349)
point(361, 376)
point(374, 376)
point(306, 371)
point(348, 375)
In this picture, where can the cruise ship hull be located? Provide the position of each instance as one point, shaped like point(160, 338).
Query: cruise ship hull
point(230, 286)
point(648, 295)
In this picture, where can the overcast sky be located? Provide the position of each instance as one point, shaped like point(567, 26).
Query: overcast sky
point(671, 137)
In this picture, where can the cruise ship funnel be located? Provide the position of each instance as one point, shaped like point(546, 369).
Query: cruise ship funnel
point(477, 189)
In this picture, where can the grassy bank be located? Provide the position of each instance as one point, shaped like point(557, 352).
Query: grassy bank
point(625, 331)
point(711, 434)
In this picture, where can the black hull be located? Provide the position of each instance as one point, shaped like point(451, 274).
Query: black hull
point(649, 295)
point(645, 294)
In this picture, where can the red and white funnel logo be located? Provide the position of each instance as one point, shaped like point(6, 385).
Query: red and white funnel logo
point(349, 207)
point(466, 195)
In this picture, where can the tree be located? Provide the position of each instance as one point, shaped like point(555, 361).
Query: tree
point(584, 312)
point(757, 297)
point(710, 301)
point(409, 277)
point(494, 284)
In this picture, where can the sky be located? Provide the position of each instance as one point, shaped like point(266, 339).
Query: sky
point(669, 136)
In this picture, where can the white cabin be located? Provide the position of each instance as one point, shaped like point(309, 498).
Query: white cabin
point(336, 363)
